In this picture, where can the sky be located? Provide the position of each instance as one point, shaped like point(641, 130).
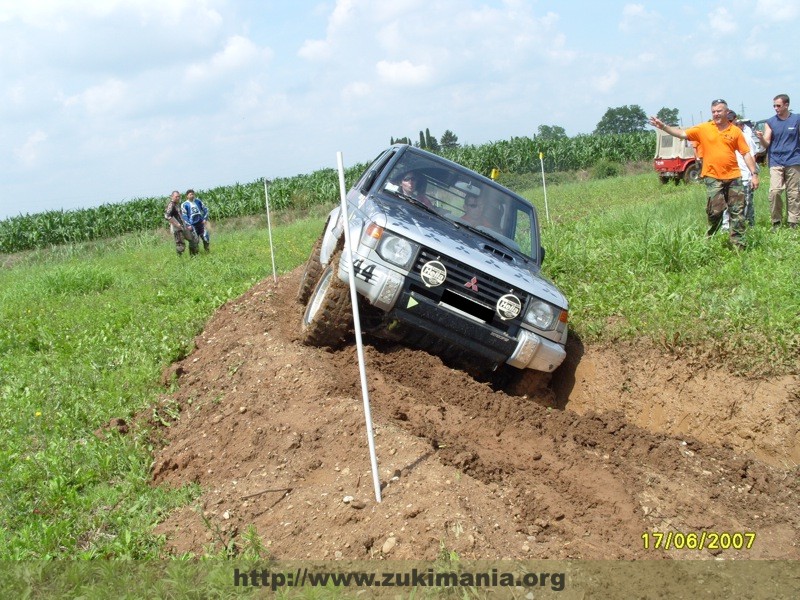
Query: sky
point(105, 101)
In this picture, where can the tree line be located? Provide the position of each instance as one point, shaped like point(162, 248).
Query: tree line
point(621, 119)
point(429, 142)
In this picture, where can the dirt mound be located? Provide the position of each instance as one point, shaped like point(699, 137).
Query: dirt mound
point(640, 441)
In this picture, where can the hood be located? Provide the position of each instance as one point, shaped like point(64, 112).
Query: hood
point(465, 246)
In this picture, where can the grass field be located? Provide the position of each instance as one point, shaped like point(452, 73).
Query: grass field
point(88, 329)
point(631, 256)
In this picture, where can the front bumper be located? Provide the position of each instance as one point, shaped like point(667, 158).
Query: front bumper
point(402, 298)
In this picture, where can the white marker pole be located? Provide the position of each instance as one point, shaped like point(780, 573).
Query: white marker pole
point(544, 187)
point(347, 255)
point(269, 229)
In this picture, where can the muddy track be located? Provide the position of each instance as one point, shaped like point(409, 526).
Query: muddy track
point(464, 465)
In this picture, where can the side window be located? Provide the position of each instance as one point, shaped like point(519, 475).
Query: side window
point(369, 176)
point(523, 230)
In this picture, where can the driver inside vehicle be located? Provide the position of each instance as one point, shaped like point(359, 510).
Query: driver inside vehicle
point(474, 211)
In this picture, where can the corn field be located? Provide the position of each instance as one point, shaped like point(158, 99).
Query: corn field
point(521, 154)
point(517, 155)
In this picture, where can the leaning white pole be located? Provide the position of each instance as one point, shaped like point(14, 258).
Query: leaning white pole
point(347, 255)
point(269, 229)
point(544, 187)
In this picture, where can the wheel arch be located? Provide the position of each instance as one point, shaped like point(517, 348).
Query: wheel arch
point(330, 239)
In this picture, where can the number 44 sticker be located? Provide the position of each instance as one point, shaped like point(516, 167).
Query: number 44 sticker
point(361, 271)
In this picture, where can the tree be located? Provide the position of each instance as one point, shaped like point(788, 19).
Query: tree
point(669, 116)
point(551, 132)
point(449, 140)
point(623, 119)
point(431, 143)
point(402, 140)
point(428, 142)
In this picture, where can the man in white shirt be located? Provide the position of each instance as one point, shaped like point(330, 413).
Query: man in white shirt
point(749, 136)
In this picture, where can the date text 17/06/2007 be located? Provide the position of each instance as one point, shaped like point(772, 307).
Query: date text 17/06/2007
point(703, 540)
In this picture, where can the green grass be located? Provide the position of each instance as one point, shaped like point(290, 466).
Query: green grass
point(632, 257)
point(87, 332)
point(88, 329)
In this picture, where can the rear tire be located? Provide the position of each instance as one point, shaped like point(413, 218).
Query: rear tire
point(692, 174)
point(328, 318)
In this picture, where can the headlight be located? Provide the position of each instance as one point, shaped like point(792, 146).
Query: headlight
point(541, 314)
point(398, 251)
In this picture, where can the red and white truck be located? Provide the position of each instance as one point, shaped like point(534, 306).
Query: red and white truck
point(676, 159)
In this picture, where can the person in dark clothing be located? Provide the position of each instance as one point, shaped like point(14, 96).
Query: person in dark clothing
point(180, 232)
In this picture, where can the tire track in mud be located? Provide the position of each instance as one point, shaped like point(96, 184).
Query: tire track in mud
point(584, 485)
point(554, 467)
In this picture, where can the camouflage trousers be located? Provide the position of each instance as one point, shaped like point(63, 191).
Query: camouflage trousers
point(725, 194)
point(181, 237)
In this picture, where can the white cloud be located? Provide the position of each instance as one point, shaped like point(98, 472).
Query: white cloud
point(757, 46)
point(356, 90)
point(705, 58)
point(60, 14)
point(558, 50)
point(204, 92)
point(107, 97)
point(604, 83)
point(777, 11)
point(636, 17)
point(721, 21)
point(342, 13)
point(28, 153)
point(341, 17)
point(239, 52)
point(403, 73)
point(315, 50)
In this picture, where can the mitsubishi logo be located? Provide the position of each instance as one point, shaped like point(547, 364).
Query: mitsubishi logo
point(472, 284)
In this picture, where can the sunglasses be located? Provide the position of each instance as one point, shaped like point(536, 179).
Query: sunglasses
point(718, 101)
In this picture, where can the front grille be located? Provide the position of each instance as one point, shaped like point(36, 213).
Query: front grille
point(490, 289)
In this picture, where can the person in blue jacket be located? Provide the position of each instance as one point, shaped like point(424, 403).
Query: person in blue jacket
point(195, 215)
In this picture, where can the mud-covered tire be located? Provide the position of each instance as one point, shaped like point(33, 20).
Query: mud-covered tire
point(533, 384)
point(312, 272)
point(328, 318)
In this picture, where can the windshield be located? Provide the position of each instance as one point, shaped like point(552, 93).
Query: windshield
point(460, 196)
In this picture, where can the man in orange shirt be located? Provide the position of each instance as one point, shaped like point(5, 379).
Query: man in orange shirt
point(719, 140)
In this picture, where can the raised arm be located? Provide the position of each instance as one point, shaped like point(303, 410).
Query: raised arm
point(674, 131)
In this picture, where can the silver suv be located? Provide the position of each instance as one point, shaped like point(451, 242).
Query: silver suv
point(445, 259)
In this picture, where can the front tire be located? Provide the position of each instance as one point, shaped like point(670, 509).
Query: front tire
point(530, 383)
point(312, 272)
point(328, 318)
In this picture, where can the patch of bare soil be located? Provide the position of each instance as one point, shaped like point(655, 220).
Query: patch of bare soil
point(638, 441)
